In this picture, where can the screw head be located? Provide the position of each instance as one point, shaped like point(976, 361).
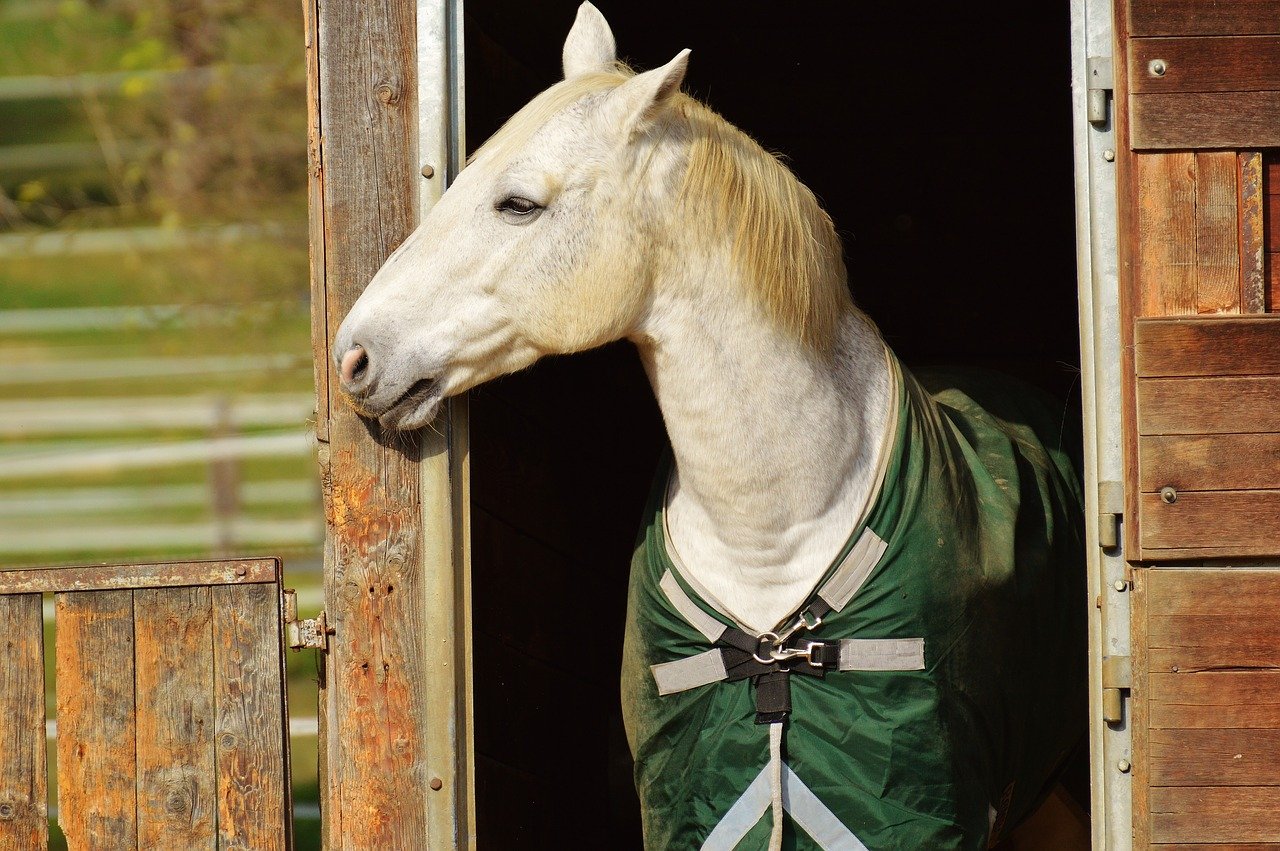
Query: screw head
point(436, 784)
point(1168, 495)
point(1120, 585)
point(1157, 67)
point(1124, 766)
point(1109, 155)
point(428, 171)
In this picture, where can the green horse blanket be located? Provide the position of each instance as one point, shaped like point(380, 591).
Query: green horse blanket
point(929, 690)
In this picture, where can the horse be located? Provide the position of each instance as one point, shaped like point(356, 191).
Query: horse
point(856, 609)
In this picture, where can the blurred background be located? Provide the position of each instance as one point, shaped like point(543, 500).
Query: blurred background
point(154, 330)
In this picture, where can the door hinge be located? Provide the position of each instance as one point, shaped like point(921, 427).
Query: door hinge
point(308, 632)
point(1110, 510)
point(1101, 81)
point(1117, 678)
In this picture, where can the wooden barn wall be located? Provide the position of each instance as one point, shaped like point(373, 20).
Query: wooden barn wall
point(1197, 95)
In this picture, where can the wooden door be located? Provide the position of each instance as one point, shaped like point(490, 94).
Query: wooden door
point(171, 718)
point(1197, 96)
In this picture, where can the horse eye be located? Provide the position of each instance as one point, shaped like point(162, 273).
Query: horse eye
point(518, 206)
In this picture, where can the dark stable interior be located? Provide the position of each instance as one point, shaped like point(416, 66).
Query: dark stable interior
point(938, 136)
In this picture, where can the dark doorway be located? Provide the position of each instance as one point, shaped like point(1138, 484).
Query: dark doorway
point(939, 138)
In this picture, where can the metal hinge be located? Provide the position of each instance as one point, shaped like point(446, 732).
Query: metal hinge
point(1110, 510)
point(309, 632)
point(1117, 677)
point(1101, 81)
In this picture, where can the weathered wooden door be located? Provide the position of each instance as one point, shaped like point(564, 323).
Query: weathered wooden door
point(171, 718)
point(1179, 190)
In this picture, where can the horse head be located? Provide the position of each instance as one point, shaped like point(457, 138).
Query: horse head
point(548, 242)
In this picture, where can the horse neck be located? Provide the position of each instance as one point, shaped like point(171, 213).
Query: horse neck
point(776, 447)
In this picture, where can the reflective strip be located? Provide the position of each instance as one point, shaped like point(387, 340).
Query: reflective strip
point(742, 816)
point(882, 654)
point(813, 816)
point(853, 571)
point(694, 671)
point(704, 623)
point(777, 800)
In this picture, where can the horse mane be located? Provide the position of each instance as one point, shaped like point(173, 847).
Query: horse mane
point(783, 240)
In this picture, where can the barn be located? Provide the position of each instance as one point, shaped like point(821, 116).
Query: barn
point(1081, 195)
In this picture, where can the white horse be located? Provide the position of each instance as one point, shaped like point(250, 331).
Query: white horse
point(614, 206)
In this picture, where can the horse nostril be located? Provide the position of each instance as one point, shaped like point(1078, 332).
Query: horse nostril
point(354, 364)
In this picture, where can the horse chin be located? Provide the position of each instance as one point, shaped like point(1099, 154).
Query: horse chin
point(413, 410)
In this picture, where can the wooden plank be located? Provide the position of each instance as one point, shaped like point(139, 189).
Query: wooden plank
point(1230, 846)
point(1272, 217)
point(1139, 706)
point(1215, 814)
point(250, 732)
point(1216, 64)
point(375, 585)
point(1217, 233)
point(1208, 346)
point(1215, 757)
point(24, 810)
point(1231, 405)
point(1252, 230)
point(1273, 278)
point(1239, 521)
point(1224, 592)
point(1217, 641)
point(1212, 462)
point(1215, 700)
point(119, 576)
point(315, 222)
point(97, 777)
point(1196, 17)
point(1166, 195)
point(173, 637)
point(1198, 120)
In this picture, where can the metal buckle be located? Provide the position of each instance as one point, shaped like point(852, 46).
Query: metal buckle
point(778, 653)
point(805, 620)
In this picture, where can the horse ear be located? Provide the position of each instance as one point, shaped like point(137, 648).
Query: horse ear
point(643, 96)
point(590, 46)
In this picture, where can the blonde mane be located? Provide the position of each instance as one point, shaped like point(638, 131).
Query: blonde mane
point(783, 240)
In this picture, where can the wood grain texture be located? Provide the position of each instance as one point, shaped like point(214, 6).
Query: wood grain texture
point(24, 807)
point(159, 575)
point(1273, 280)
point(1230, 405)
point(364, 207)
point(1213, 462)
point(1199, 120)
point(173, 637)
point(1217, 233)
point(1166, 194)
point(1197, 17)
point(250, 732)
point(315, 222)
point(1239, 522)
point(97, 777)
point(1215, 700)
point(1210, 641)
point(1139, 707)
point(1215, 757)
point(1210, 346)
point(1189, 261)
point(1252, 231)
point(1215, 64)
point(1215, 814)
point(1220, 592)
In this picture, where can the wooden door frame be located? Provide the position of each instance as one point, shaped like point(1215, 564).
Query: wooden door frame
point(385, 112)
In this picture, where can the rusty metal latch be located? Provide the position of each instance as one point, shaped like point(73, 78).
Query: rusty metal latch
point(1117, 677)
point(308, 632)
